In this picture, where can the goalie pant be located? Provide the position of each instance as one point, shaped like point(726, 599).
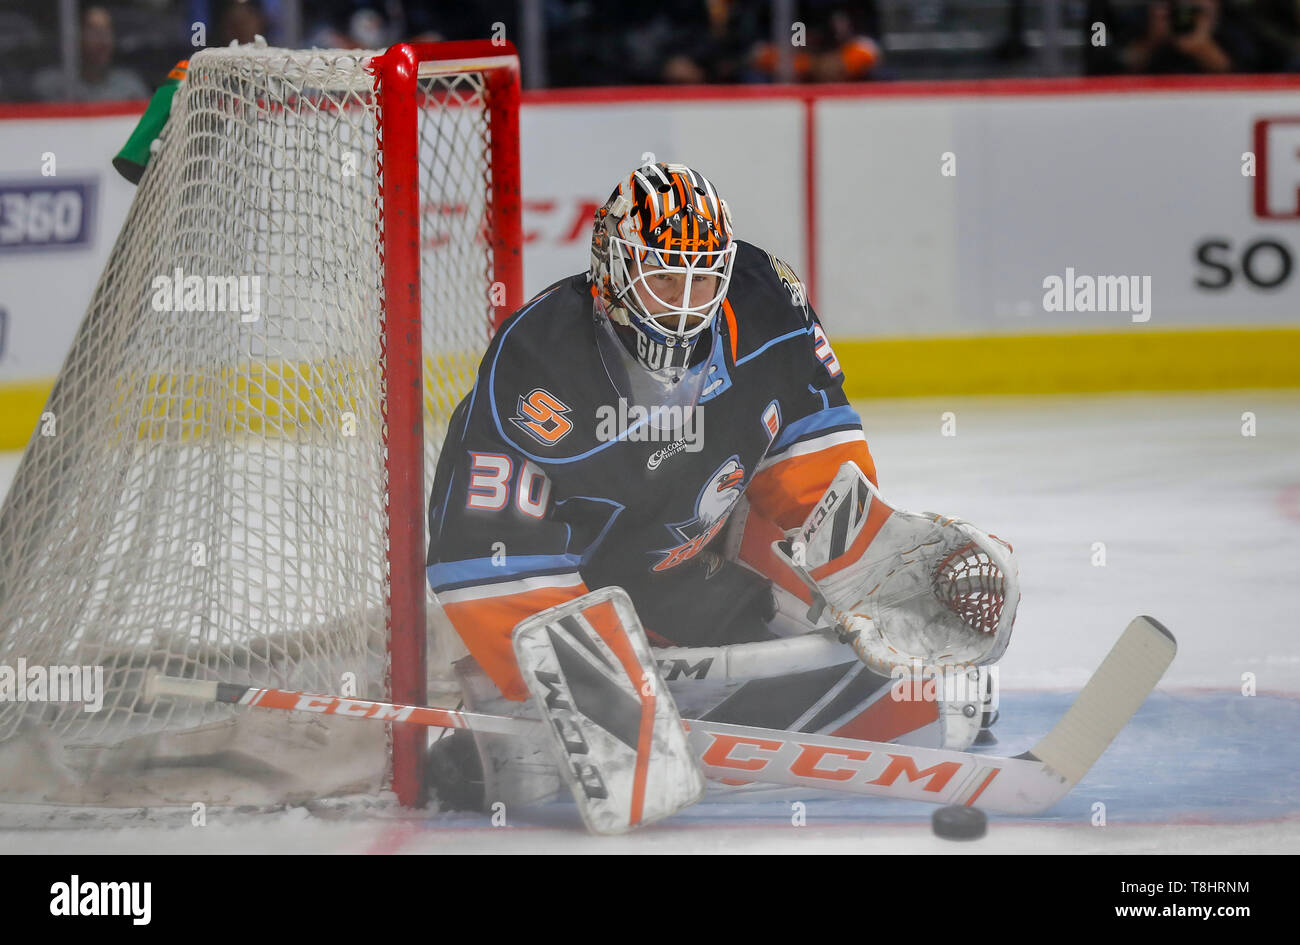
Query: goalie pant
point(542, 493)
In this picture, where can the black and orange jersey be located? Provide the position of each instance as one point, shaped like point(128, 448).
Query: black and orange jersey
point(550, 484)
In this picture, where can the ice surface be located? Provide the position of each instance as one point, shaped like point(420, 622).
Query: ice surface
point(1199, 526)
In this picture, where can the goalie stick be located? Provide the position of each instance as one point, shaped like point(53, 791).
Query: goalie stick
point(1027, 784)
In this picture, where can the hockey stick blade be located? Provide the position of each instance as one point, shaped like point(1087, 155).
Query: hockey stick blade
point(1027, 784)
point(1112, 696)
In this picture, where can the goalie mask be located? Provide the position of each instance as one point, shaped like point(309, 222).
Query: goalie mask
point(661, 259)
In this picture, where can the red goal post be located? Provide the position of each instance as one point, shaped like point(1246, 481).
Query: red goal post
point(398, 73)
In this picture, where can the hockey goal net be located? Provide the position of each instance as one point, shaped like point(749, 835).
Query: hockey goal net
point(229, 478)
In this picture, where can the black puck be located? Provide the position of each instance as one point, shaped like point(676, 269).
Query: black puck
point(959, 823)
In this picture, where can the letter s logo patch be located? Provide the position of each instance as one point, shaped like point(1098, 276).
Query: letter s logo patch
point(542, 415)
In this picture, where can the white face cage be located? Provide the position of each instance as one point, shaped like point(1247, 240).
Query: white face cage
point(663, 298)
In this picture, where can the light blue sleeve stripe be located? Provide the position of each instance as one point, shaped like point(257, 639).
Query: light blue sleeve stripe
point(448, 574)
point(802, 429)
point(775, 341)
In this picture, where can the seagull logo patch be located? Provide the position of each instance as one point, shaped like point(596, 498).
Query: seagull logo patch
point(712, 506)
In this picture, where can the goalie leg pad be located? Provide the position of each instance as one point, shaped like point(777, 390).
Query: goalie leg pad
point(613, 725)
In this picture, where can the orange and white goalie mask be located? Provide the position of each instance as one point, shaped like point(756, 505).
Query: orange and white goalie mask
point(661, 261)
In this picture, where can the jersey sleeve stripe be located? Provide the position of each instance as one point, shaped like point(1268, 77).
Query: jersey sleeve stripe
point(813, 445)
point(835, 418)
point(453, 574)
point(798, 333)
point(506, 588)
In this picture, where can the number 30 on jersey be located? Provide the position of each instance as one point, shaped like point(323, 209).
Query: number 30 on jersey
point(490, 485)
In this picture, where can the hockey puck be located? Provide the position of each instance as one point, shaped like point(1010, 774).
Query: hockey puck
point(959, 823)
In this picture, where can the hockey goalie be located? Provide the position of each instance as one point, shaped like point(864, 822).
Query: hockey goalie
point(672, 422)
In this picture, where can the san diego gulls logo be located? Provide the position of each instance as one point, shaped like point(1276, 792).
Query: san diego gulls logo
point(542, 415)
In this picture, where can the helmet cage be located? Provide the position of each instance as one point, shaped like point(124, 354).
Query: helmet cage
point(675, 320)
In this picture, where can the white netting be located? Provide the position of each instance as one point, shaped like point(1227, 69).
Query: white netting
point(206, 494)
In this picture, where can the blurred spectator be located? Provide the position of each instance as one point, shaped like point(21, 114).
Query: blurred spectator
point(708, 41)
point(606, 43)
point(367, 29)
point(325, 24)
point(718, 41)
point(99, 80)
point(1187, 36)
point(240, 20)
point(838, 43)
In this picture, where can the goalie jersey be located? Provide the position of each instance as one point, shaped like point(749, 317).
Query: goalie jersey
point(555, 478)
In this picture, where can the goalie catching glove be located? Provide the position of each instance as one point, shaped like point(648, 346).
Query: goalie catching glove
point(900, 587)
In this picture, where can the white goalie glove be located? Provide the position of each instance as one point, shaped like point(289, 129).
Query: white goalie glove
point(901, 587)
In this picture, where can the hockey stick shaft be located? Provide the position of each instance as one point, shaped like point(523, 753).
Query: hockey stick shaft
point(1027, 784)
point(202, 691)
point(735, 754)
